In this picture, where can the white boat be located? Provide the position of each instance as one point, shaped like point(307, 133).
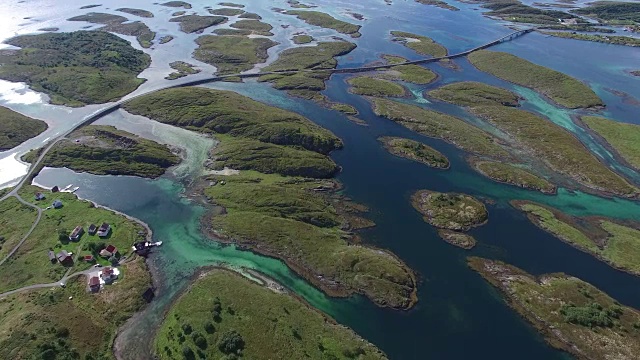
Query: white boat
point(75, 189)
point(66, 189)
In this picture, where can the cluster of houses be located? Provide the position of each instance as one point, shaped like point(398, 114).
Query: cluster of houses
point(105, 276)
point(64, 257)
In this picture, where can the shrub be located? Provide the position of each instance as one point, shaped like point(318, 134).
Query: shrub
point(199, 340)
point(590, 315)
point(231, 342)
point(188, 353)
point(187, 329)
point(209, 328)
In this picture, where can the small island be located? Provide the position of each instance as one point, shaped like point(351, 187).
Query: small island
point(255, 27)
point(623, 138)
point(607, 39)
point(182, 69)
point(420, 44)
point(16, 128)
point(471, 93)
point(136, 12)
point(165, 39)
point(412, 73)
point(120, 25)
point(237, 321)
point(513, 175)
point(226, 11)
point(571, 315)
point(456, 238)
point(177, 4)
point(370, 86)
point(438, 3)
point(416, 151)
point(105, 150)
point(344, 108)
point(326, 21)
point(197, 23)
point(302, 39)
point(449, 211)
point(232, 54)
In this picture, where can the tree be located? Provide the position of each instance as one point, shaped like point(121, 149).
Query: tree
point(188, 353)
point(231, 342)
point(63, 235)
point(209, 328)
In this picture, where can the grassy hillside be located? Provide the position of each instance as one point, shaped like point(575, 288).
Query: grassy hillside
point(420, 44)
point(624, 138)
point(242, 310)
point(74, 69)
point(232, 54)
point(612, 11)
point(365, 85)
point(16, 128)
point(121, 25)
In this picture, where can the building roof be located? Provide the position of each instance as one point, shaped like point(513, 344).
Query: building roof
point(105, 253)
point(63, 255)
point(94, 281)
point(52, 255)
point(77, 231)
point(104, 227)
point(92, 227)
point(112, 249)
point(88, 257)
point(107, 271)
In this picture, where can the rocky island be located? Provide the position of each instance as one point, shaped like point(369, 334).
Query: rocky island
point(415, 151)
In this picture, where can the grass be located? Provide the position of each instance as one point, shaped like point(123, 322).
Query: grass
point(226, 12)
point(232, 54)
point(449, 211)
point(512, 175)
point(410, 73)
point(74, 69)
point(559, 87)
point(554, 304)
point(607, 39)
point(71, 323)
point(326, 21)
point(104, 150)
point(230, 4)
point(249, 15)
point(15, 221)
point(256, 27)
point(420, 44)
point(181, 4)
point(302, 39)
point(251, 310)
point(441, 126)
point(612, 11)
point(557, 147)
point(284, 218)
point(16, 128)
point(31, 265)
point(182, 69)
point(416, 151)
point(344, 108)
point(226, 112)
point(624, 138)
point(470, 93)
point(136, 12)
point(616, 244)
point(197, 23)
point(236, 32)
point(438, 3)
point(365, 85)
point(120, 25)
point(515, 11)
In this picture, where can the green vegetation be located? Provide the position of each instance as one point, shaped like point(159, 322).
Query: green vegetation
point(226, 12)
point(182, 69)
point(607, 39)
point(197, 23)
point(297, 4)
point(15, 221)
point(559, 87)
point(449, 210)
point(71, 323)
point(571, 314)
point(455, 238)
point(616, 244)
point(612, 11)
point(516, 11)
point(326, 21)
point(165, 39)
point(105, 150)
point(120, 25)
point(249, 15)
point(415, 151)
point(365, 85)
point(236, 32)
point(420, 44)
point(410, 73)
point(303, 84)
point(74, 69)
point(512, 175)
point(441, 126)
point(560, 150)
point(238, 321)
point(230, 4)
point(31, 264)
point(181, 4)
point(439, 3)
point(302, 39)
point(470, 93)
point(16, 128)
point(232, 54)
point(344, 108)
point(137, 12)
point(226, 112)
point(256, 27)
point(624, 138)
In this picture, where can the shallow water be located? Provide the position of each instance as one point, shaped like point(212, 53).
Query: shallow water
point(457, 311)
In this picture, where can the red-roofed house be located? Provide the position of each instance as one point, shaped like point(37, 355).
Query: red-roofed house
point(94, 283)
point(88, 258)
point(108, 274)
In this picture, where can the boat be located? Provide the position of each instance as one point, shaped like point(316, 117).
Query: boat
point(75, 189)
point(66, 189)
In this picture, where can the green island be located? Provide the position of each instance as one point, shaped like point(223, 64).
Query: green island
point(370, 86)
point(136, 12)
point(237, 321)
point(607, 39)
point(236, 32)
point(179, 13)
point(327, 21)
point(441, 126)
point(560, 150)
point(249, 15)
point(165, 39)
point(451, 211)
point(344, 108)
point(623, 138)
point(438, 3)
point(255, 27)
point(105, 150)
point(613, 243)
point(306, 84)
point(232, 54)
point(197, 23)
point(471, 93)
point(226, 11)
point(612, 12)
point(419, 43)
point(298, 5)
point(456, 238)
point(120, 25)
point(177, 4)
point(416, 151)
point(513, 175)
point(291, 218)
point(16, 128)
point(559, 87)
point(74, 69)
point(412, 73)
point(230, 4)
point(571, 315)
point(182, 69)
point(302, 39)
point(515, 11)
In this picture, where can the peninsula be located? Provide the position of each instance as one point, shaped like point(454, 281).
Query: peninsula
point(16, 128)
